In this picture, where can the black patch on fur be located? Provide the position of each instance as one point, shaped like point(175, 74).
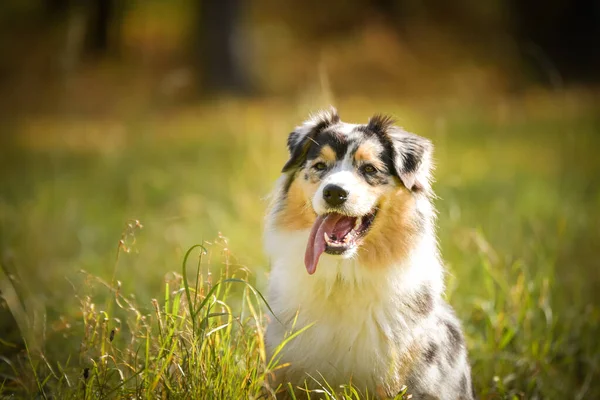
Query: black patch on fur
point(455, 341)
point(286, 188)
point(292, 141)
point(412, 148)
point(382, 176)
point(335, 140)
point(299, 147)
point(288, 183)
point(411, 162)
point(376, 180)
point(431, 353)
point(387, 155)
point(454, 335)
point(323, 120)
point(297, 154)
point(423, 301)
point(463, 384)
point(380, 123)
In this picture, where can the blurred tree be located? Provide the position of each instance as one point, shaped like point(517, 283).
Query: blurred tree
point(99, 28)
point(100, 18)
point(393, 12)
point(222, 55)
point(559, 38)
point(56, 7)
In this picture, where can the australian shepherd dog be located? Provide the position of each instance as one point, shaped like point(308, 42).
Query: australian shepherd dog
point(351, 239)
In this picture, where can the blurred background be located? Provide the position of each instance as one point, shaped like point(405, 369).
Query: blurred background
point(176, 113)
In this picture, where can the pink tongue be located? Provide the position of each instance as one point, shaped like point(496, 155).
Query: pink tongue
point(332, 224)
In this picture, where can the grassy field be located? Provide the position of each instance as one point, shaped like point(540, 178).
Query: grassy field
point(99, 305)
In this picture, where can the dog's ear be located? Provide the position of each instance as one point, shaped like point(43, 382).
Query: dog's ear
point(412, 160)
point(412, 154)
point(300, 140)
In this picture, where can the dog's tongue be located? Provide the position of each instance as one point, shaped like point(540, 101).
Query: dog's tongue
point(334, 225)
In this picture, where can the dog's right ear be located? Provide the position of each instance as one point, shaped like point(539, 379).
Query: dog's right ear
point(411, 153)
point(300, 140)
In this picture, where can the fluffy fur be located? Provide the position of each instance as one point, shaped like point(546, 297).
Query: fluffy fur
point(379, 318)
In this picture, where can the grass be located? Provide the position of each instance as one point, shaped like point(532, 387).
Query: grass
point(189, 343)
point(518, 218)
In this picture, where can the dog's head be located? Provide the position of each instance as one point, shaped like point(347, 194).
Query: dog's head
point(355, 187)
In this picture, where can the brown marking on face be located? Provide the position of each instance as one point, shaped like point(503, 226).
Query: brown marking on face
point(327, 153)
point(369, 153)
point(393, 233)
point(297, 212)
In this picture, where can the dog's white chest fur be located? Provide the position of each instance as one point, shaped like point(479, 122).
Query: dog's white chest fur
point(359, 328)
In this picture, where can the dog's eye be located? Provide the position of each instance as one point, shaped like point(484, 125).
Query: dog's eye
point(320, 166)
point(369, 169)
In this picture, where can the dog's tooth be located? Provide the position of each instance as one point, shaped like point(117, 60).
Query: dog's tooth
point(357, 223)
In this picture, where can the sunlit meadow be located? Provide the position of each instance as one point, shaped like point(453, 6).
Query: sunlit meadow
point(103, 299)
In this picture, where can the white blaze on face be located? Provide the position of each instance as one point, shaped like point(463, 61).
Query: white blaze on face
point(362, 197)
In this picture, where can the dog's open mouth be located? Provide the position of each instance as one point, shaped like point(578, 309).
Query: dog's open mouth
point(335, 233)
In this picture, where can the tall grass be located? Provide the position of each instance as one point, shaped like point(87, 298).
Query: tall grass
point(199, 340)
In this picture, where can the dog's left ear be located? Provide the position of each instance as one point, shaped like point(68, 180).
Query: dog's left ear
point(411, 154)
point(412, 160)
point(300, 140)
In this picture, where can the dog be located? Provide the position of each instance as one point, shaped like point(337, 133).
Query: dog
point(350, 234)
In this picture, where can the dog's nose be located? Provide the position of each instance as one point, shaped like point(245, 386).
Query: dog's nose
point(334, 195)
